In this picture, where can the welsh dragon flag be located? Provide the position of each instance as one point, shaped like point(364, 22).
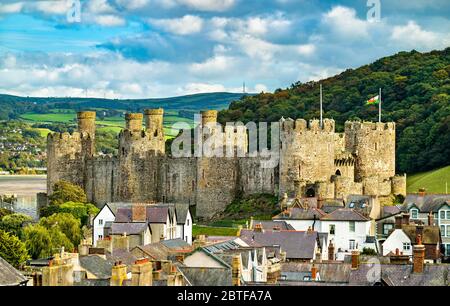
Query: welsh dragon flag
point(374, 100)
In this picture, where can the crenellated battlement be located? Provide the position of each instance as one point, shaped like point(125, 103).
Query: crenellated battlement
point(313, 125)
point(369, 126)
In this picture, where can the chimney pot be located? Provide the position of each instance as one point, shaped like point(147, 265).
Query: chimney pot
point(313, 272)
point(355, 260)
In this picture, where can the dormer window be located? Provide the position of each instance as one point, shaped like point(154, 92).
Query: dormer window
point(414, 213)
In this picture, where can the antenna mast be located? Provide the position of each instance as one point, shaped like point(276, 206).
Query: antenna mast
point(321, 107)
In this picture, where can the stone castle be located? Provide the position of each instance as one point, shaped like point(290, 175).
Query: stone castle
point(315, 161)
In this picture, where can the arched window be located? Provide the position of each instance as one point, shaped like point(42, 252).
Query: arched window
point(338, 172)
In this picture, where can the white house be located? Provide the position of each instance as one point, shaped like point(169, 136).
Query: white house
point(347, 228)
point(184, 222)
point(397, 240)
point(105, 215)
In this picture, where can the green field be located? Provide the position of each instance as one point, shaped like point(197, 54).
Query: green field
point(49, 117)
point(44, 132)
point(433, 181)
point(213, 231)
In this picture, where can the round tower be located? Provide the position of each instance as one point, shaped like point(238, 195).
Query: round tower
point(154, 119)
point(86, 123)
point(133, 122)
point(209, 117)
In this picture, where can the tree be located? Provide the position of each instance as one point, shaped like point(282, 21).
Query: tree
point(12, 249)
point(64, 223)
point(42, 242)
point(13, 223)
point(81, 211)
point(4, 212)
point(64, 191)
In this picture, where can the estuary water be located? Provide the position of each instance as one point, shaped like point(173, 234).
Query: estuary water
point(25, 187)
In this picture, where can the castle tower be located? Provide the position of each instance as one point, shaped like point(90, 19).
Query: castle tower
point(209, 117)
point(86, 123)
point(133, 122)
point(373, 144)
point(154, 121)
point(307, 154)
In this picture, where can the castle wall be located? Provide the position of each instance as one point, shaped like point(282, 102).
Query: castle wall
point(253, 178)
point(374, 147)
point(100, 187)
point(307, 152)
point(179, 176)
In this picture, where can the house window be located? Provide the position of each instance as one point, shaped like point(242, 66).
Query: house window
point(100, 222)
point(187, 222)
point(387, 227)
point(186, 238)
point(414, 214)
point(442, 214)
point(447, 250)
point(351, 226)
point(406, 246)
point(332, 229)
point(443, 231)
point(448, 231)
point(100, 237)
point(448, 214)
point(352, 244)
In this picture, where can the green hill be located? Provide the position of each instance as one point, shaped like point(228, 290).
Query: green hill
point(433, 181)
point(416, 95)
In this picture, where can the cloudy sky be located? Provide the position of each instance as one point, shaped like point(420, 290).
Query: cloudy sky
point(162, 48)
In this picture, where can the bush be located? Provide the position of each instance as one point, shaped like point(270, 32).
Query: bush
point(12, 249)
point(67, 192)
point(369, 251)
point(13, 223)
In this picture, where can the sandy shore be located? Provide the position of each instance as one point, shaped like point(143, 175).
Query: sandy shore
point(23, 185)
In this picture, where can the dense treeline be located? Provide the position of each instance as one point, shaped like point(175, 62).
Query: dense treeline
point(416, 95)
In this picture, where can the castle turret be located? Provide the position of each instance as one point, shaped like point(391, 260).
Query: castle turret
point(154, 122)
point(133, 122)
point(86, 123)
point(209, 117)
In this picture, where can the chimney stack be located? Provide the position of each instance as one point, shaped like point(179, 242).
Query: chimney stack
point(355, 260)
point(398, 222)
point(419, 232)
point(418, 255)
point(331, 251)
point(405, 220)
point(313, 273)
point(142, 273)
point(139, 213)
point(431, 219)
point(236, 270)
point(422, 192)
point(118, 274)
point(258, 228)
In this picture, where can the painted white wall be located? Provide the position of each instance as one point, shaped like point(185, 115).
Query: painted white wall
point(395, 241)
point(343, 235)
point(302, 225)
point(105, 215)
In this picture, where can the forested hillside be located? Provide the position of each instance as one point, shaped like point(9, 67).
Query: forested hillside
point(416, 95)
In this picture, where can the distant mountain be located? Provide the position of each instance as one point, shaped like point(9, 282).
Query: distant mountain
point(12, 107)
point(416, 95)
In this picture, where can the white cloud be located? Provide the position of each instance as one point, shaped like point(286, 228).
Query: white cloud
point(186, 25)
point(307, 49)
point(344, 22)
point(413, 36)
point(208, 5)
point(11, 8)
point(99, 7)
point(132, 4)
point(109, 20)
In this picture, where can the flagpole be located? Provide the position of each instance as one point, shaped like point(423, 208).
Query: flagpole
point(379, 108)
point(321, 109)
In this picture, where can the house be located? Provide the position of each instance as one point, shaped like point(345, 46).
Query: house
point(184, 222)
point(433, 207)
point(163, 250)
point(104, 216)
point(10, 276)
point(297, 245)
point(348, 228)
point(271, 225)
point(406, 234)
point(138, 233)
point(386, 223)
point(94, 270)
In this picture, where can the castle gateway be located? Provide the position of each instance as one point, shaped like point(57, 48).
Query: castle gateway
point(314, 161)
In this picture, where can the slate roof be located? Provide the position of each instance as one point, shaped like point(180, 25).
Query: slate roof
point(390, 210)
point(222, 246)
point(157, 214)
point(207, 276)
point(10, 276)
point(431, 234)
point(296, 244)
point(296, 213)
point(181, 211)
point(130, 228)
point(427, 203)
point(157, 251)
point(96, 265)
point(114, 206)
point(345, 214)
point(123, 215)
point(270, 225)
point(178, 245)
point(335, 272)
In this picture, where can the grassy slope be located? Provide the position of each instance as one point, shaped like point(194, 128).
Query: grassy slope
point(433, 181)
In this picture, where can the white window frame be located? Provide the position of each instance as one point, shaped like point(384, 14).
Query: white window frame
point(391, 227)
point(447, 230)
point(406, 246)
point(352, 226)
point(414, 211)
point(448, 214)
point(334, 229)
point(352, 244)
point(100, 221)
point(443, 231)
point(442, 214)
